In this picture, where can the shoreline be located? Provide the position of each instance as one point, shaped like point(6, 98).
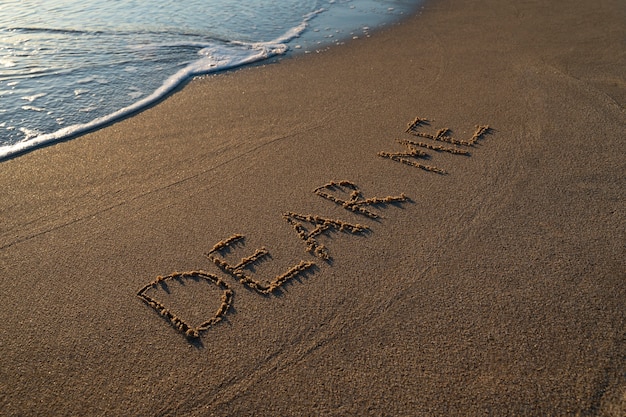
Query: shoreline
point(261, 53)
point(367, 283)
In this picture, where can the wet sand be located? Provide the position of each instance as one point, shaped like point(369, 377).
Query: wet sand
point(376, 272)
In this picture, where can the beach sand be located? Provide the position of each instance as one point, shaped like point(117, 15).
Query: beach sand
point(497, 288)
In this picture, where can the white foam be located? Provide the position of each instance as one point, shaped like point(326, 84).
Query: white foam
point(7, 63)
point(213, 59)
point(33, 108)
point(33, 97)
point(29, 133)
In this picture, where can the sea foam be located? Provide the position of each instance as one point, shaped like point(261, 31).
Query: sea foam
point(97, 72)
point(212, 59)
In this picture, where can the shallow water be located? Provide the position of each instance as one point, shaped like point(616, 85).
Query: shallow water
point(67, 66)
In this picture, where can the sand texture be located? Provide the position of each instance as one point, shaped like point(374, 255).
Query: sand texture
point(427, 222)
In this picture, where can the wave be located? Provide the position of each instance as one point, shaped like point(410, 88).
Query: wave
point(116, 33)
point(214, 58)
point(52, 30)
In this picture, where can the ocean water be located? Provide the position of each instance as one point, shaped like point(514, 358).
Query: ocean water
point(69, 66)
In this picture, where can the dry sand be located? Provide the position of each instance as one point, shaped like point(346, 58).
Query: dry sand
point(495, 289)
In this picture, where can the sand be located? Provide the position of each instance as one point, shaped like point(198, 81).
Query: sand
point(491, 284)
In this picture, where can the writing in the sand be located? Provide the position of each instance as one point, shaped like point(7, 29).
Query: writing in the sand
point(412, 154)
point(307, 227)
